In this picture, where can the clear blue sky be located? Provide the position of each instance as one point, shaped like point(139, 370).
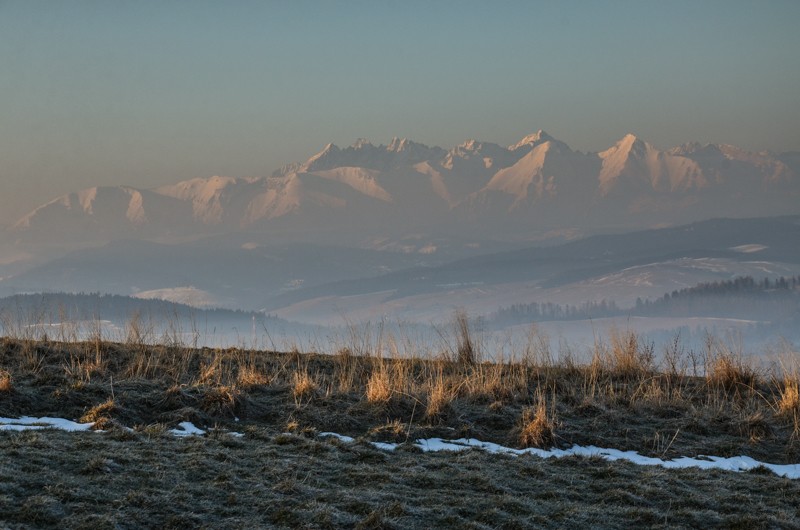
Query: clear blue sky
point(147, 93)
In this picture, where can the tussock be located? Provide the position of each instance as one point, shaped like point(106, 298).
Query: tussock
point(379, 389)
point(538, 426)
point(6, 385)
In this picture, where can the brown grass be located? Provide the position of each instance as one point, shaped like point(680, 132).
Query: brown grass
point(789, 400)
point(467, 353)
point(303, 385)
point(250, 376)
point(538, 427)
point(731, 373)
point(379, 387)
point(440, 398)
point(6, 386)
point(620, 398)
point(715, 403)
point(103, 410)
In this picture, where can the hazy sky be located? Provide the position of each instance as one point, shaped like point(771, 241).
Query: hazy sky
point(147, 93)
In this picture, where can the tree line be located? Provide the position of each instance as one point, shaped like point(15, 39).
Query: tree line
point(741, 297)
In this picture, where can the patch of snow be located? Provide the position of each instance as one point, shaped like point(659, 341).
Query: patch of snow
point(27, 423)
point(346, 439)
point(736, 463)
point(383, 446)
point(749, 249)
point(362, 180)
point(187, 428)
point(188, 295)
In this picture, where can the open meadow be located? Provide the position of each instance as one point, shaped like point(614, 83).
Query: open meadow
point(262, 457)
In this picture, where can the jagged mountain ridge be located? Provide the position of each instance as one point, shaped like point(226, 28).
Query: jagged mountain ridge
point(537, 184)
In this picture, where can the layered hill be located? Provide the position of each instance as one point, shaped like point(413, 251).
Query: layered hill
point(475, 190)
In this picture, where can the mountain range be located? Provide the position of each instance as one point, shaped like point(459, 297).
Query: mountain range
point(475, 191)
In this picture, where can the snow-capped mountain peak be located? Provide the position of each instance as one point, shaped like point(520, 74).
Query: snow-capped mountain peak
point(532, 140)
point(361, 143)
point(476, 186)
point(328, 152)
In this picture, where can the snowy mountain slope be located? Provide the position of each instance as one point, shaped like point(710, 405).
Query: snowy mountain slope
point(106, 212)
point(614, 267)
point(548, 171)
point(570, 274)
point(476, 189)
point(633, 164)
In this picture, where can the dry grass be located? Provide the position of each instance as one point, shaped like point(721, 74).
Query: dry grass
point(103, 410)
point(715, 404)
point(440, 398)
point(731, 373)
point(221, 401)
point(538, 427)
point(789, 400)
point(6, 386)
point(619, 398)
point(303, 385)
point(379, 387)
point(250, 376)
point(466, 350)
point(271, 480)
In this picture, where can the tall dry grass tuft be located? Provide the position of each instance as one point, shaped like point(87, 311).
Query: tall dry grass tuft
point(303, 385)
point(137, 332)
point(629, 358)
point(250, 376)
point(538, 427)
point(348, 370)
point(499, 381)
point(83, 365)
point(466, 350)
point(379, 385)
point(145, 364)
point(6, 385)
point(731, 373)
point(31, 360)
point(537, 351)
point(440, 397)
point(211, 370)
point(789, 396)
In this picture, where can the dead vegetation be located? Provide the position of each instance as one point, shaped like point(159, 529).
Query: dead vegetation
point(268, 479)
point(627, 394)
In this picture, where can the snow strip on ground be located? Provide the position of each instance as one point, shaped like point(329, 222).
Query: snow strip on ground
point(27, 423)
point(736, 463)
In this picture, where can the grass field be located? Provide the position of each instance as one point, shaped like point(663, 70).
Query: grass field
point(281, 473)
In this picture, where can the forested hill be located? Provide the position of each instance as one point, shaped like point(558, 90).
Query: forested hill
point(46, 308)
point(744, 297)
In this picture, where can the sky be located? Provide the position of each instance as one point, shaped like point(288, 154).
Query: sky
point(153, 92)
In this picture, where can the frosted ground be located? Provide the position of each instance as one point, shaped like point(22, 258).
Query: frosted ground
point(738, 463)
